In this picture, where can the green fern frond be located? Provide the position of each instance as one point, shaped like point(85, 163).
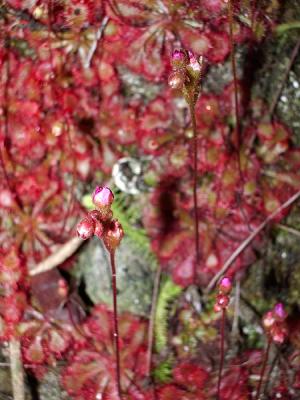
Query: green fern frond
point(168, 293)
point(162, 373)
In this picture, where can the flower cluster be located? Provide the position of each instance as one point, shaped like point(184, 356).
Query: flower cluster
point(100, 222)
point(224, 289)
point(274, 324)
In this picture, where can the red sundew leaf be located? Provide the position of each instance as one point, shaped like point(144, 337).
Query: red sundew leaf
point(213, 6)
point(220, 46)
point(147, 54)
point(190, 375)
point(171, 243)
point(135, 12)
point(234, 385)
point(182, 273)
point(58, 341)
point(171, 392)
point(93, 368)
point(196, 40)
point(13, 306)
point(33, 350)
point(207, 110)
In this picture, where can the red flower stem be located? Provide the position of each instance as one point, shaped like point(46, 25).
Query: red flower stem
point(234, 73)
point(116, 327)
point(222, 352)
point(195, 175)
point(263, 369)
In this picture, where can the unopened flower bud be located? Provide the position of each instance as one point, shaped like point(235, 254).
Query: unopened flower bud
point(278, 333)
point(86, 228)
point(222, 300)
point(99, 229)
point(268, 320)
point(179, 59)
point(113, 235)
point(95, 215)
point(176, 80)
point(225, 285)
point(279, 312)
point(102, 197)
point(217, 308)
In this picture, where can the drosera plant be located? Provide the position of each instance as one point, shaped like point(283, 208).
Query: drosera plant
point(100, 222)
point(222, 302)
point(275, 327)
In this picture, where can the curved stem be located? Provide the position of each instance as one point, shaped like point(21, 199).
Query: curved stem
point(116, 327)
point(263, 369)
point(249, 239)
point(285, 77)
point(195, 199)
point(222, 352)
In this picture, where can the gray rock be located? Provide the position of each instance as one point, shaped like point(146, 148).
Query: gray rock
point(134, 276)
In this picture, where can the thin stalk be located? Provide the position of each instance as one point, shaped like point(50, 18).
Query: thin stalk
point(289, 229)
point(284, 78)
point(222, 352)
point(234, 73)
point(249, 239)
point(263, 369)
point(195, 199)
point(116, 326)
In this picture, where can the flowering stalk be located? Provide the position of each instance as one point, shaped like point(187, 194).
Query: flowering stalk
point(187, 78)
point(195, 199)
point(100, 222)
point(222, 301)
point(263, 369)
point(116, 326)
point(274, 325)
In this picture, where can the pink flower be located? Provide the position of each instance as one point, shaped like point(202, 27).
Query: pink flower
point(102, 197)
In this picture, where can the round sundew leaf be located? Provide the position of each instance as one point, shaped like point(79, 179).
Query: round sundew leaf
point(2, 328)
point(190, 375)
point(58, 341)
point(265, 131)
point(34, 351)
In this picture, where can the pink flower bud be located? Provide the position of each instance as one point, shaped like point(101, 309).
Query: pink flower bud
point(95, 215)
point(113, 235)
point(279, 312)
point(86, 228)
point(99, 229)
point(222, 300)
point(102, 197)
point(217, 308)
point(194, 63)
point(268, 320)
point(225, 285)
point(278, 333)
point(176, 80)
point(179, 59)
